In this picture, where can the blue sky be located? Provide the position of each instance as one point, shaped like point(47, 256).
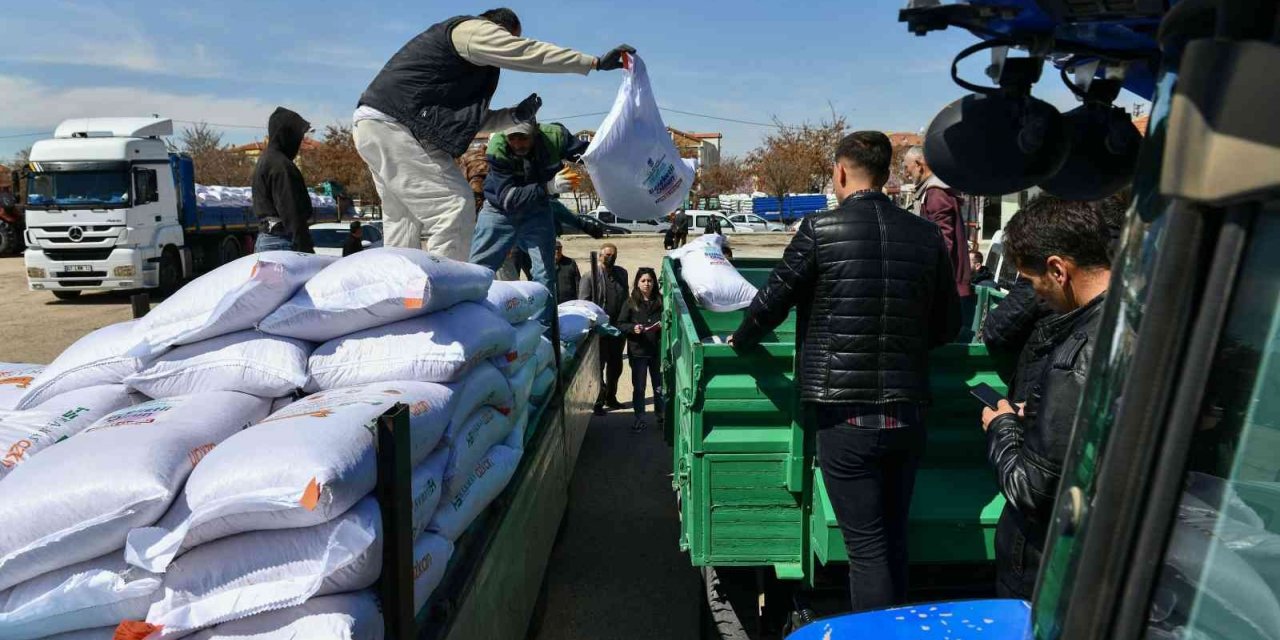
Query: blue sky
point(231, 62)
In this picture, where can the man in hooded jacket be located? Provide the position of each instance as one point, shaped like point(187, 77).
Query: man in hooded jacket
point(280, 197)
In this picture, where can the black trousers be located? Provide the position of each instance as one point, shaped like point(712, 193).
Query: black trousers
point(640, 367)
point(870, 474)
point(610, 367)
point(1019, 551)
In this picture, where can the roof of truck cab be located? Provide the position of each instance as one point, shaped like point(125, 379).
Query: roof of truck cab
point(72, 149)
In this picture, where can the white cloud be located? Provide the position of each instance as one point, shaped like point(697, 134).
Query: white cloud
point(97, 36)
point(32, 106)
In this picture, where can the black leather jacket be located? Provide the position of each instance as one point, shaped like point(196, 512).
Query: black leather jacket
point(874, 293)
point(1008, 329)
point(1027, 452)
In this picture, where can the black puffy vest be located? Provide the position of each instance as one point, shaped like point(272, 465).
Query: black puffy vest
point(429, 88)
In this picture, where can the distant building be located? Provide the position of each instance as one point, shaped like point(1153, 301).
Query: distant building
point(703, 146)
point(254, 149)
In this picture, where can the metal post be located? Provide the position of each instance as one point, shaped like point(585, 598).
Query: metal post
point(395, 501)
point(141, 303)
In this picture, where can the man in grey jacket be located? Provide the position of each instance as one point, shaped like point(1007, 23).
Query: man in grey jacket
point(426, 106)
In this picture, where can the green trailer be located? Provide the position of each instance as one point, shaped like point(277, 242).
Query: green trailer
point(743, 465)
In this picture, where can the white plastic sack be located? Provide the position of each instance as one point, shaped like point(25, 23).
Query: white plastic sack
point(515, 439)
point(467, 495)
point(633, 163)
point(302, 466)
point(260, 571)
point(585, 308)
point(528, 336)
point(431, 555)
point(343, 616)
point(440, 347)
point(79, 500)
point(470, 441)
point(102, 357)
point(246, 361)
point(714, 283)
point(542, 385)
point(517, 300)
point(483, 386)
point(233, 297)
point(522, 386)
point(15, 379)
point(88, 595)
point(574, 327)
point(25, 433)
point(101, 633)
point(427, 488)
point(545, 354)
point(376, 287)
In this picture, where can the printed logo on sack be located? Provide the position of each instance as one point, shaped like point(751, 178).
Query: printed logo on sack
point(661, 180)
point(141, 414)
point(15, 454)
point(422, 566)
point(427, 492)
point(21, 382)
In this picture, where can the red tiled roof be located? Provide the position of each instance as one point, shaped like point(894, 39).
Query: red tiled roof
point(258, 145)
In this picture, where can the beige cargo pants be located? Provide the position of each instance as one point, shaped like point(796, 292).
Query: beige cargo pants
point(422, 189)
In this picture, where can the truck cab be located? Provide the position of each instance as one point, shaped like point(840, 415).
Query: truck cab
point(102, 208)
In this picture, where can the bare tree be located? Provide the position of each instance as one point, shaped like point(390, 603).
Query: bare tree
point(215, 163)
point(797, 158)
point(731, 175)
point(335, 158)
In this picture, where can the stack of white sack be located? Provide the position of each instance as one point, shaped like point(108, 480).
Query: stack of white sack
point(102, 357)
point(712, 280)
point(69, 510)
point(15, 379)
point(517, 300)
point(544, 379)
point(23, 434)
point(312, 525)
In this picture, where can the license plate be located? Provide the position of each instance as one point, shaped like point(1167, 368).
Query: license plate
point(73, 268)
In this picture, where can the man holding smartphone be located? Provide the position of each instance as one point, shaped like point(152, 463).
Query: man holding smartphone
point(1062, 248)
point(874, 292)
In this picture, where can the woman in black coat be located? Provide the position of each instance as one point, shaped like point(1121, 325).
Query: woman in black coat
point(640, 321)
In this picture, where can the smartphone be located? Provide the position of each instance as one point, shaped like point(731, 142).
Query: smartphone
point(986, 395)
point(653, 327)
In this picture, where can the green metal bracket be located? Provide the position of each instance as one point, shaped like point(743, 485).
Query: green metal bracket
point(789, 570)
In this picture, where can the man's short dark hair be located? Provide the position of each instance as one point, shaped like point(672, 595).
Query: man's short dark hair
point(1050, 226)
point(503, 17)
point(870, 151)
point(355, 226)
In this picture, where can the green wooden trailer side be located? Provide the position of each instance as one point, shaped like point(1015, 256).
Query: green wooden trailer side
point(744, 474)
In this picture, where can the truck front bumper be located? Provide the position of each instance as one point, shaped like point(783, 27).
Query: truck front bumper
point(124, 268)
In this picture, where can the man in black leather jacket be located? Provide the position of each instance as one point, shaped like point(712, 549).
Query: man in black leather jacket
point(1063, 249)
point(874, 292)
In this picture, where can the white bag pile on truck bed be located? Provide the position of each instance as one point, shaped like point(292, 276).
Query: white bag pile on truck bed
point(471, 440)
point(440, 347)
point(376, 287)
point(712, 280)
point(302, 466)
point(527, 338)
point(343, 616)
point(79, 499)
point(484, 385)
point(102, 357)
point(260, 571)
point(233, 297)
point(246, 361)
point(25, 433)
point(633, 163)
point(15, 379)
point(517, 300)
point(467, 495)
point(88, 595)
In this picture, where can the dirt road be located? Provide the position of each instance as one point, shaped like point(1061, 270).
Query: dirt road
point(35, 327)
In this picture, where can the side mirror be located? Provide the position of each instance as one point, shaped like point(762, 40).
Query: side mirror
point(366, 244)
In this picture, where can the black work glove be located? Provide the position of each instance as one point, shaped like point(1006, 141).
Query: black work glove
point(527, 110)
point(591, 226)
point(613, 59)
